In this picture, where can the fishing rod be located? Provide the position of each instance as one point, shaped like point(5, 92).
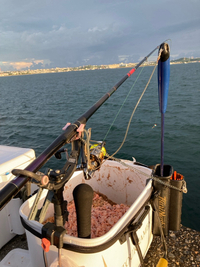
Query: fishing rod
point(14, 186)
point(163, 87)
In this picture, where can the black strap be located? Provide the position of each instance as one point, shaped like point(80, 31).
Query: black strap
point(135, 241)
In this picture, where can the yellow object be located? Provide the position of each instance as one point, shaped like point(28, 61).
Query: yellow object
point(162, 263)
point(103, 150)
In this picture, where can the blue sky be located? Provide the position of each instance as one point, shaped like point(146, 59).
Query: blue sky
point(45, 34)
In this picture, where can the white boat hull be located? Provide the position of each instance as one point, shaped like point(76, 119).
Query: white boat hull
point(10, 158)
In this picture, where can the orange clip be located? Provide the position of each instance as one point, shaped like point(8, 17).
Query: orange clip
point(45, 244)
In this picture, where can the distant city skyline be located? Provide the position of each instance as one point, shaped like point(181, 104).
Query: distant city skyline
point(92, 67)
point(39, 34)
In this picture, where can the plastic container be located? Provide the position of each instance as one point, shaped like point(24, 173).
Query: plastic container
point(121, 185)
point(10, 158)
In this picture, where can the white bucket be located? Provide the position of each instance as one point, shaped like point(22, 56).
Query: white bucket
point(121, 185)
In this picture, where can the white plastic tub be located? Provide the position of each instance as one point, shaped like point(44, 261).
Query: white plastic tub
point(11, 158)
point(121, 185)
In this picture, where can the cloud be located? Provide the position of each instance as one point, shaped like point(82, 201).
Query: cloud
point(96, 29)
point(124, 58)
point(23, 65)
point(20, 65)
point(97, 32)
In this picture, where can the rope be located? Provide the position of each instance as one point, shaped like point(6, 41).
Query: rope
point(163, 240)
point(123, 104)
point(183, 189)
point(127, 129)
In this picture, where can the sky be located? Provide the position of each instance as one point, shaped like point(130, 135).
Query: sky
point(39, 34)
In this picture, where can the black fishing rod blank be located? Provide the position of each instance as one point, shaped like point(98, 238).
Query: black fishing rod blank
point(83, 119)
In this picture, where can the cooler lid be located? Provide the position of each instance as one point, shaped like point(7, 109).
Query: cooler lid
point(14, 157)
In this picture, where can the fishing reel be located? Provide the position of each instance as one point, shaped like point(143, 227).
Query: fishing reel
point(95, 157)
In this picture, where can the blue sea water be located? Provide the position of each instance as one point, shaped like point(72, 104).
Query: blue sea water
point(34, 108)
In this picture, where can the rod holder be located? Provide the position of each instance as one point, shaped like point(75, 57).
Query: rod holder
point(163, 200)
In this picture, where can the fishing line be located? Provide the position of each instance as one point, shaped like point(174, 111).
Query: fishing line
point(128, 126)
point(123, 104)
point(170, 40)
point(155, 125)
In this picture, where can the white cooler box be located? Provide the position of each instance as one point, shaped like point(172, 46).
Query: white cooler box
point(12, 158)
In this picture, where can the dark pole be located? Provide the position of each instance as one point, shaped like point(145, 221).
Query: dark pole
point(163, 86)
point(83, 119)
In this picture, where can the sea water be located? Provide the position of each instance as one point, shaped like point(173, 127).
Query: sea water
point(34, 109)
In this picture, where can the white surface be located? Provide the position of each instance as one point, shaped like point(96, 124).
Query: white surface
point(17, 258)
point(11, 158)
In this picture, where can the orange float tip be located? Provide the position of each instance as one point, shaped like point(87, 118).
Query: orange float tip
point(162, 263)
point(175, 173)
